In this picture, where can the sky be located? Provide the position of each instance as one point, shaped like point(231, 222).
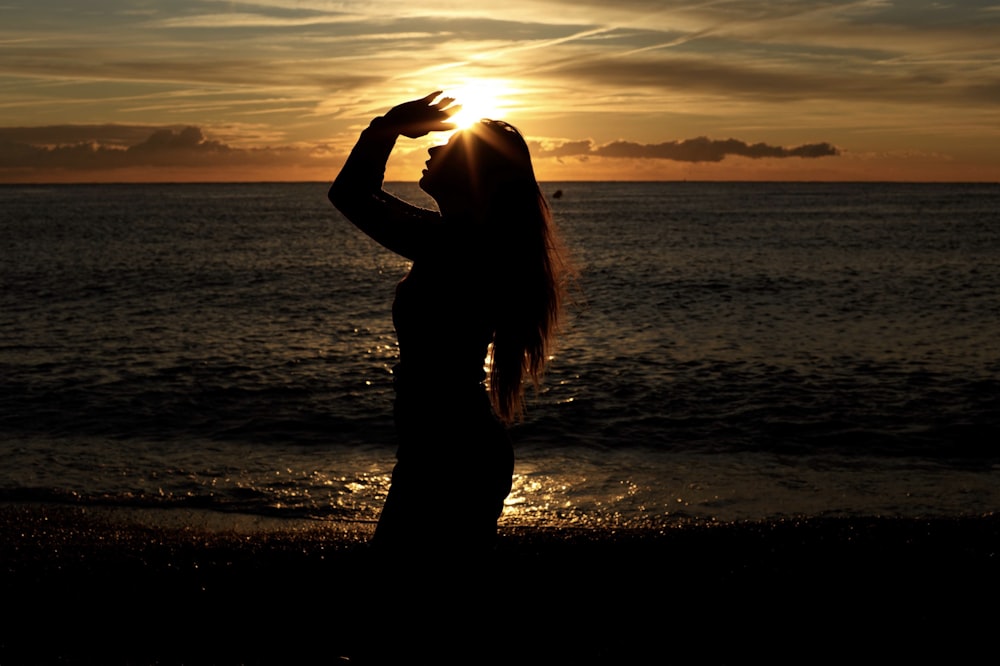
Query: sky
point(259, 90)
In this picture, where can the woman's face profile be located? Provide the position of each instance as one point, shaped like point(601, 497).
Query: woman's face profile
point(448, 166)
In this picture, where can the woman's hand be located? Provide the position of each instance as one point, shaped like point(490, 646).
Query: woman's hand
point(420, 116)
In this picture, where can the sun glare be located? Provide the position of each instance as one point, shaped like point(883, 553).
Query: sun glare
point(478, 99)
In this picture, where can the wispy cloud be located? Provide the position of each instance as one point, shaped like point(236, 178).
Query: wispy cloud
point(248, 20)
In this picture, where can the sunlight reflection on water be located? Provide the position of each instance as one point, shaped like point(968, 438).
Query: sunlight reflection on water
point(740, 351)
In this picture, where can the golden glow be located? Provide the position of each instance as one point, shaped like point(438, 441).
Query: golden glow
point(480, 98)
point(572, 92)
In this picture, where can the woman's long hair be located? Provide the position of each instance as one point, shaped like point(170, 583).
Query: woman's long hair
point(528, 265)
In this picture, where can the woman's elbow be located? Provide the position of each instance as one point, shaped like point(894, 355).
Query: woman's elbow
point(344, 196)
point(337, 194)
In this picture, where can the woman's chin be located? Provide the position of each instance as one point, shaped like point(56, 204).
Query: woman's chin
point(426, 183)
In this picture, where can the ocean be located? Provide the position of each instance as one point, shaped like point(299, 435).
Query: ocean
point(733, 352)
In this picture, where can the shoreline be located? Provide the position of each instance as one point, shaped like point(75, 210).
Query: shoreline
point(96, 587)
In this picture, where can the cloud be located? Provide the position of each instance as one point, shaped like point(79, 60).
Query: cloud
point(567, 149)
point(61, 135)
point(166, 141)
point(100, 147)
point(700, 149)
point(106, 152)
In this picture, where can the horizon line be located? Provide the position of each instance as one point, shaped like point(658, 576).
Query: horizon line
point(604, 180)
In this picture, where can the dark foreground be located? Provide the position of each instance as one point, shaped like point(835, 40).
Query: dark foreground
point(82, 588)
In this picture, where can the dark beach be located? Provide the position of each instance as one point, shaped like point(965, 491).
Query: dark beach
point(110, 587)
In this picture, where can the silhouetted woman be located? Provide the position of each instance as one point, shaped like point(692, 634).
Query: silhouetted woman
point(485, 279)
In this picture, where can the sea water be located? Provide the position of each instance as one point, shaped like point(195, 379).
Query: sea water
point(733, 351)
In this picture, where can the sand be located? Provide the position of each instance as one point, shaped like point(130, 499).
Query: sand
point(123, 587)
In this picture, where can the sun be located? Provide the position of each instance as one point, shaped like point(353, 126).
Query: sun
point(478, 99)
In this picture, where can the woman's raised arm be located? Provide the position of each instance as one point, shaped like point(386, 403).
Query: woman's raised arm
point(357, 191)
